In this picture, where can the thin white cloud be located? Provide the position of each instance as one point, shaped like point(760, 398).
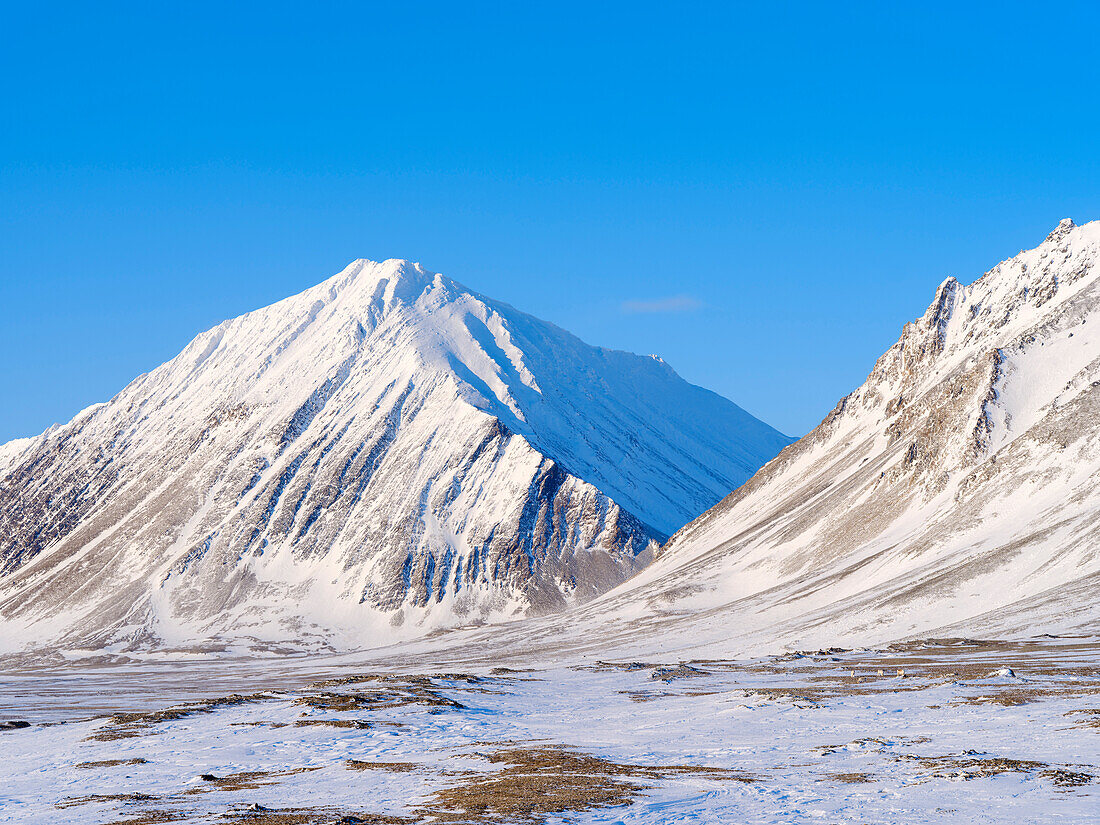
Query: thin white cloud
point(674, 303)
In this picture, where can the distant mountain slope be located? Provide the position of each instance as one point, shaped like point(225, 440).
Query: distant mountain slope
point(384, 453)
point(956, 492)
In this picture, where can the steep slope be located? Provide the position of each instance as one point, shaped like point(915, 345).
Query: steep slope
point(384, 453)
point(956, 492)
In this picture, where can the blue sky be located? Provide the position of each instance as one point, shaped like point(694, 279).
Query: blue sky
point(760, 193)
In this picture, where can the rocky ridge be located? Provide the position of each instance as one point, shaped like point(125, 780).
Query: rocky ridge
point(955, 492)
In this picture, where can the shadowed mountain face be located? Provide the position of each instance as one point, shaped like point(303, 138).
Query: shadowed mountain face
point(380, 455)
point(956, 491)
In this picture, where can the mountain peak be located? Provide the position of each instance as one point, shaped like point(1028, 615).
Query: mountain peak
point(953, 493)
point(397, 277)
point(1064, 227)
point(384, 450)
point(367, 291)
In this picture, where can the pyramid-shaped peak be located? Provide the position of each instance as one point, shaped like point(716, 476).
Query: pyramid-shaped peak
point(388, 283)
point(363, 271)
point(390, 266)
point(384, 444)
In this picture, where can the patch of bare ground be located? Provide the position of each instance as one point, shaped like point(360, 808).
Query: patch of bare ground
point(1063, 778)
point(255, 814)
point(110, 763)
point(426, 681)
point(681, 671)
point(974, 659)
point(975, 766)
point(537, 782)
point(623, 667)
point(644, 695)
point(393, 767)
point(127, 725)
point(1091, 717)
point(396, 695)
point(851, 778)
point(73, 801)
point(261, 723)
point(1033, 669)
point(657, 672)
point(1011, 698)
point(965, 766)
point(799, 697)
point(870, 743)
point(828, 654)
point(358, 724)
point(243, 781)
point(150, 818)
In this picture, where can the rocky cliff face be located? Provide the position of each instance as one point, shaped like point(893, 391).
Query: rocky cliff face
point(380, 455)
point(956, 491)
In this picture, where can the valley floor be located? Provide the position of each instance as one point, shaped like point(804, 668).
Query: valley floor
point(936, 731)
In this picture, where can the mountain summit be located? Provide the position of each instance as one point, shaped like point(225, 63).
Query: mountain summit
point(956, 492)
point(384, 453)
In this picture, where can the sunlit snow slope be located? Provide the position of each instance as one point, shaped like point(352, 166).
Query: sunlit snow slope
point(382, 454)
point(956, 491)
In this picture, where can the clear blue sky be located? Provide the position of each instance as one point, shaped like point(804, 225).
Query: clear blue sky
point(788, 183)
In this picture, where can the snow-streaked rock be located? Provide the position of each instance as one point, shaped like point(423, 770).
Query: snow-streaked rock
point(380, 455)
point(956, 491)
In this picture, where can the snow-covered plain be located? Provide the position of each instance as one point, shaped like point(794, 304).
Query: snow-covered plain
point(947, 731)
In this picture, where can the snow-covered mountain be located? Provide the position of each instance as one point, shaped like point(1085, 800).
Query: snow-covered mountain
point(382, 454)
point(956, 492)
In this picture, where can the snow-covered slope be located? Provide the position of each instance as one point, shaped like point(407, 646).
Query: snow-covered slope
point(956, 491)
point(382, 454)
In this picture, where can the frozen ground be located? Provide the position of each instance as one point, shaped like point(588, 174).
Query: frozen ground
point(948, 731)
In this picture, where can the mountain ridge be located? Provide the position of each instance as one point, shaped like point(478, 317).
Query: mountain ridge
point(953, 493)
